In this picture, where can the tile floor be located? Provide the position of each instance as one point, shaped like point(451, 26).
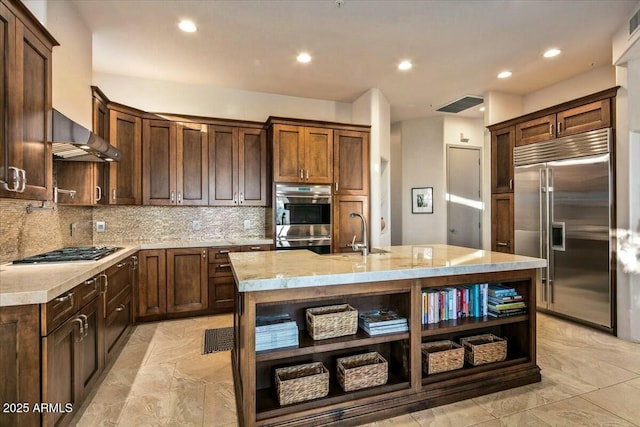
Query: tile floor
point(160, 379)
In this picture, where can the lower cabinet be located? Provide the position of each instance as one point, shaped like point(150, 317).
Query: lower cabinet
point(502, 239)
point(117, 310)
point(71, 363)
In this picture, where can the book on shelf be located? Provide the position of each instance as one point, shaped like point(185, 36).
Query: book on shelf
point(506, 299)
point(507, 313)
point(454, 303)
point(508, 305)
point(389, 329)
point(499, 290)
point(380, 318)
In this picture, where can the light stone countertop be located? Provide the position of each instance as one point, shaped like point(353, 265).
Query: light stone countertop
point(262, 271)
point(22, 284)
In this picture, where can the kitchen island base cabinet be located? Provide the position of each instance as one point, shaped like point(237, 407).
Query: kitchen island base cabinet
point(407, 389)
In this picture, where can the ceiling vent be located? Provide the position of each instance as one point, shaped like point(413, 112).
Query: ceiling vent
point(461, 104)
point(634, 22)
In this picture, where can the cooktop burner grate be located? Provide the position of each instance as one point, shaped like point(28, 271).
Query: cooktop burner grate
point(75, 253)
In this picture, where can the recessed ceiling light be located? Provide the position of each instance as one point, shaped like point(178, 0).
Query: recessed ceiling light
point(551, 53)
point(481, 109)
point(504, 74)
point(304, 58)
point(187, 26)
point(405, 65)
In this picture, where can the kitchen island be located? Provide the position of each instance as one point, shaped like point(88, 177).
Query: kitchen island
point(289, 282)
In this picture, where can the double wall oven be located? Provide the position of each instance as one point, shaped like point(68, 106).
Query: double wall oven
point(303, 217)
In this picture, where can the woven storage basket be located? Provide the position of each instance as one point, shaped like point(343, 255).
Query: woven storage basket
point(486, 348)
point(302, 382)
point(332, 321)
point(441, 356)
point(362, 371)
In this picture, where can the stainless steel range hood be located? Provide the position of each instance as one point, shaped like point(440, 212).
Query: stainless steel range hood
point(72, 141)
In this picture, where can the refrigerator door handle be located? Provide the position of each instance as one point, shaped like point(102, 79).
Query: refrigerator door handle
point(541, 217)
point(549, 225)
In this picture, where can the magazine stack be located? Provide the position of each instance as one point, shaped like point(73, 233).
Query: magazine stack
point(276, 331)
point(378, 322)
point(504, 301)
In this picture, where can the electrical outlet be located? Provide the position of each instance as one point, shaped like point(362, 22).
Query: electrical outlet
point(101, 226)
point(72, 228)
point(247, 224)
point(195, 225)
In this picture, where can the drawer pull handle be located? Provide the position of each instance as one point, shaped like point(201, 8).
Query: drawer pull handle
point(67, 297)
point(79, 320)
point(256, 248)
point(224, 252)
point(85, 319)
point(224, 266)
point(120, 307)
point(122, 264)
point(502, 243)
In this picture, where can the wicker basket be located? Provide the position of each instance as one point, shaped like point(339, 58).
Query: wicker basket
point(441, 356)
point(362, 371)
point(302, 382)
point(481, 349)
point(332, 321)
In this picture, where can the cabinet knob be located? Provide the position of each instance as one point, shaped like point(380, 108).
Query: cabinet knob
point(121, 307)
point(204, 254)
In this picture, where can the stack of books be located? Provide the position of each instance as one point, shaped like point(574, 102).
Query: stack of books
point(454, 303)
point(504, 301)
point(276, 331)
point(377, 322)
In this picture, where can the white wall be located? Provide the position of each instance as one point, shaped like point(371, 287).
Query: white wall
point(395, 189)
point(374, 109)
point(423, 165)
point(182, 98)
point(72, 60)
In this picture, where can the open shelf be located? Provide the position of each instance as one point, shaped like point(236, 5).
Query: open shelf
point(308, 345)
point(469, 369)
point(267, 405)
point(469, 323)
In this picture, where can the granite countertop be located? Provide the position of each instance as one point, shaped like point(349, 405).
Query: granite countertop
point(40, 283)
point(299, 269)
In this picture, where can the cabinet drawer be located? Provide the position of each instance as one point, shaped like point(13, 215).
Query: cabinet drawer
point(221, 254)
point(220, 269)
point(118, 281)
point(221, 293)
point(57, 311)
point(88, 290)
point(116, 324)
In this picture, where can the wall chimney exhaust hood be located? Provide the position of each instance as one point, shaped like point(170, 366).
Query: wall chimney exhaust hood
point(71, 141)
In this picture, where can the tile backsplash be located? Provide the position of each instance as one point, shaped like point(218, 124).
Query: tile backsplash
point(24, 234)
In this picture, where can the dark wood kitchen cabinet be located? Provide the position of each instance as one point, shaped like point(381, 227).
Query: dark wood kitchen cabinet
point(502, 223)
point(302, 153)
point(187, 288)
point(125, 176)
point(100, 113)
point(117, 309)
point(20, 363)
point(238, 166)
point(345, 227)
point(152, 283)
point(86, 178)
point(502, 143)
point(25, 104)
point(174, 169)
point(351, 163)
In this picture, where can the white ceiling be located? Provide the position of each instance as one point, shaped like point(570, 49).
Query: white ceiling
point(457, 47)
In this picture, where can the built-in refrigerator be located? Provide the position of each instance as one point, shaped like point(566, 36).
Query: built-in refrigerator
point(563, 210)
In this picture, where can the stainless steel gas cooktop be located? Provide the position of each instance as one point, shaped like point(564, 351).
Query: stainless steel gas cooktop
point(76, 253)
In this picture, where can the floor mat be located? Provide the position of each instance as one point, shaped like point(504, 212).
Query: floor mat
point(215, 340)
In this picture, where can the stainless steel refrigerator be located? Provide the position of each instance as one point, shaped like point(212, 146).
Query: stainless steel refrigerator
point(564, 207)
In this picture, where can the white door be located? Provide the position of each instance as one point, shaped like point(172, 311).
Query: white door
point(464, 202)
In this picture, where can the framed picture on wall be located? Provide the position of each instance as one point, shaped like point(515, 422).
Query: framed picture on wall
point(422, 200)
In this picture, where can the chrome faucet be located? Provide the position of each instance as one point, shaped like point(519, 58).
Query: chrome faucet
point(364, 246)
point(57, 191)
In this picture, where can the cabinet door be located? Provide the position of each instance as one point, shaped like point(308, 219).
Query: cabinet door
point(595, 115)
point(536, 130)
point(222, 294)
point(7, 44)
point(89, 350)
point(117, 325)
point(100, 119)
point(344, 227)
point(252, 167)
point(288, 153)
point(223, 166)
point(78, 176)
point(187, 280)
point(318, 155)
point(20, 362)
point(159, 163)
point(502, 223)
point(125, 133)
point(351, 163)
point(192, 165)
point(502, 160)
point(60, 369)
point(152, 283)
point(31, 149)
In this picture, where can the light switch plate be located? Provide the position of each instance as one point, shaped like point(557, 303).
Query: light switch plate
point(247, 224)
point(195, 225)
point(101, 226)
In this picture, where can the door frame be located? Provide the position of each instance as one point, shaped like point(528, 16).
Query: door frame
point(480, 187)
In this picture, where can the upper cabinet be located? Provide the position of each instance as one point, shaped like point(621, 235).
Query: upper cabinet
point(237, 166)
point(125, 133)
point(351, 162)
point(302, 154)
point(502, 160)
point(25, 105)
point(594, 115)
point(174, 169)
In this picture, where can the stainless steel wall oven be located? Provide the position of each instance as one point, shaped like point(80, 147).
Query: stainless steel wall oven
point(303, 217)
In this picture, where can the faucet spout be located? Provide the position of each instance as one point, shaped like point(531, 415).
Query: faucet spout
point(364, 246)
